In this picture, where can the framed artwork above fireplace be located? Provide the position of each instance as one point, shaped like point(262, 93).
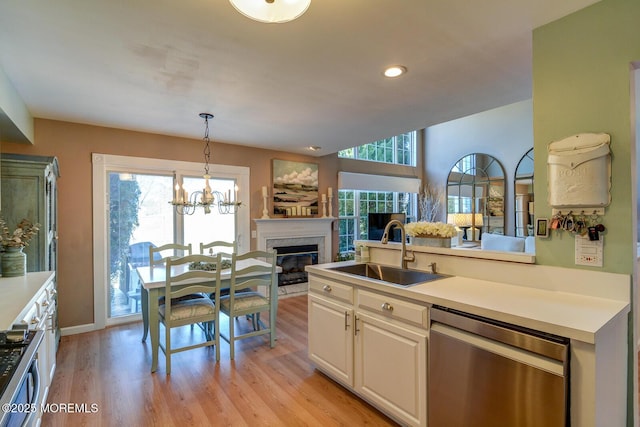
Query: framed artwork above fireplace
point(295, 189)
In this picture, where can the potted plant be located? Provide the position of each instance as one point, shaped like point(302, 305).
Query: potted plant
point(14, 261)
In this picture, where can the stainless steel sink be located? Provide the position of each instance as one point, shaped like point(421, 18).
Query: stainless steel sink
point(394, 275)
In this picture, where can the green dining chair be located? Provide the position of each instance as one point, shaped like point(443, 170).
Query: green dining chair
point(255, 270)
point(218, 246)
point(177, 312)
point(177, 250)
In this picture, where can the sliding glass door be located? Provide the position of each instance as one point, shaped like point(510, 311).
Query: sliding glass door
point(131, 211)
point(139, 216)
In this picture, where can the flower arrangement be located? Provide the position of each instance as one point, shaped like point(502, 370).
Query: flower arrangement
point(24, 232)
point(430, 229)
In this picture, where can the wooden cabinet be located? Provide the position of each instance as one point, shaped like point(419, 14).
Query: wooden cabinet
point(331, 344)
point(29, 190)
point(391, 356)
point(40, 315)
point(374, 344)
point(331, 320)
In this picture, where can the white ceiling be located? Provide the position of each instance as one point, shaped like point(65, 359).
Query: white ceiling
point(154, 65)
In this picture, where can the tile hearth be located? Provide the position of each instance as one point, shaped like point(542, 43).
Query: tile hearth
point(292, 290)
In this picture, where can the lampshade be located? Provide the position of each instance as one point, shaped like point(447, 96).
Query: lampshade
point(465, 219)
point(271, 11)
point(461, 220)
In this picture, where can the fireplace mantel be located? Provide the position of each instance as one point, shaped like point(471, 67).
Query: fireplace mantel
point(296, 228)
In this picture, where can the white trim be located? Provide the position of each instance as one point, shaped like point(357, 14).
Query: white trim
point(106, 162)
point(295, 228)
point(80, 329)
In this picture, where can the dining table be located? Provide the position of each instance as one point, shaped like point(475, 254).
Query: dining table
point(153, 285)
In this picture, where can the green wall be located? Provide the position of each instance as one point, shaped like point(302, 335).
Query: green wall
point(581, 83)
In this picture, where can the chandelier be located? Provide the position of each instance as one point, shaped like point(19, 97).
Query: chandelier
point(186, 204)
point(271, 11)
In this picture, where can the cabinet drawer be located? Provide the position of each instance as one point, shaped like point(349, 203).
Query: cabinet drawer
point(31, 318)
point(44, 301)
point(393, 308)
point(331, 289)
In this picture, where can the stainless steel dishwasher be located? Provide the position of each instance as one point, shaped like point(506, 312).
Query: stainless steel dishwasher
point(484, 373)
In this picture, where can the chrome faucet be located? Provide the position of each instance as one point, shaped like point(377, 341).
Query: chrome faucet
point(404, 258)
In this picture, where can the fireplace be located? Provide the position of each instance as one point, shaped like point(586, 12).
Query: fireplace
point(310, 239)
point(292, 260)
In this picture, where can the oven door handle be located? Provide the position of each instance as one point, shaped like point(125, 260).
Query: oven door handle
point(35, 400)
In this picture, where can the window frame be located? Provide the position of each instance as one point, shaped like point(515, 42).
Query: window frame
point(357, 219)
point(379, 145)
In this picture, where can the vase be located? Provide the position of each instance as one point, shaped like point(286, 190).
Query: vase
point(433, 241)
point(14, 262)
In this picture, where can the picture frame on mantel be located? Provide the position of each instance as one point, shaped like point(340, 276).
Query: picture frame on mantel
point(295, 188)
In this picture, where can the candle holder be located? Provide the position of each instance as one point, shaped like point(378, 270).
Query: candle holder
point(324, 209)
point(187, 206)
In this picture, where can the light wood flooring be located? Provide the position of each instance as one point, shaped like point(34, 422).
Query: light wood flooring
point(261, 387)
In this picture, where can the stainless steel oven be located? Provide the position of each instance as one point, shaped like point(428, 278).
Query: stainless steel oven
point(19, 378)
point(486, 373)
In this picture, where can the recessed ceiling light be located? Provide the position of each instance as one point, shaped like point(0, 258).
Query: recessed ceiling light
point(395, 71)
point(314, 148)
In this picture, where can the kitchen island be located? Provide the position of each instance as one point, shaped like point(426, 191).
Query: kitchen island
point(589, 308)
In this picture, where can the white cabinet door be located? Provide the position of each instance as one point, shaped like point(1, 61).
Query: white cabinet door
point(391, 368)
point(331, 338)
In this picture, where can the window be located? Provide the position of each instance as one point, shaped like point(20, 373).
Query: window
point(361, 194)
point(399, 150)
point(132, 211)
point(354, 207)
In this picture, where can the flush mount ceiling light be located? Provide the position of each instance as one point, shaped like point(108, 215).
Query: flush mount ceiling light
point(314, 148)
point(395, 71)
point(271, 11)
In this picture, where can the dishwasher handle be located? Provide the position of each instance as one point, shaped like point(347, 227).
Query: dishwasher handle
point(547, 345)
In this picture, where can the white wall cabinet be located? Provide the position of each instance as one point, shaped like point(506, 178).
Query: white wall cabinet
point(373, 344)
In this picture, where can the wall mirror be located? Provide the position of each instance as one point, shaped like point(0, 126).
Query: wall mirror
point(475, 196)
point(523, 195)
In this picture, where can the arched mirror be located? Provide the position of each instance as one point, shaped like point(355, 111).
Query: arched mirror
point(475, 195)
point(523, 195)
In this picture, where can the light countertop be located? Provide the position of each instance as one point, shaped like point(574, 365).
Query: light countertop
point(18, 294)
point(566, 314)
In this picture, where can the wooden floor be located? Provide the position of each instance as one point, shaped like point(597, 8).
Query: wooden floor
point(263, 386)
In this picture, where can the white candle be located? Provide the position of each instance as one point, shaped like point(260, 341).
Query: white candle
point(176, 194)
point(264, 192)
point(330, 191)
point(324, 197)
point(235, 196)
point(186, 196)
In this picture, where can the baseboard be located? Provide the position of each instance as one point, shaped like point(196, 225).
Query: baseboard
point(80, 329)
